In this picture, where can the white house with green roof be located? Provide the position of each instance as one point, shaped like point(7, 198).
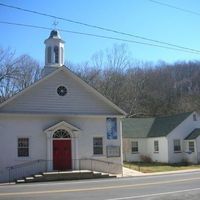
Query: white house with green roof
point(170, 139)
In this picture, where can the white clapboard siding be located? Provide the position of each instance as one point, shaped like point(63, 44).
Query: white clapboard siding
point(43, 98)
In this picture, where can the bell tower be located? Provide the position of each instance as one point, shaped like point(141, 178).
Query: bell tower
point(54, 52)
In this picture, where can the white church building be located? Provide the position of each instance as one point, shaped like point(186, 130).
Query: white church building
point(59, 123)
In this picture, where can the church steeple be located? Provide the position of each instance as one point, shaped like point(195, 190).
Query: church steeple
point(54, 52)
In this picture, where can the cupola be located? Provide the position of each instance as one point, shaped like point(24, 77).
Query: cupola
point(54, 52)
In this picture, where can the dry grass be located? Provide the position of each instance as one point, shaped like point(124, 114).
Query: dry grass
point(158, 167)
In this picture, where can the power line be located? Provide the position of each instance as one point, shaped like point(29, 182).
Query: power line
point(175, 7)
point(98, 27)
point(99, 36)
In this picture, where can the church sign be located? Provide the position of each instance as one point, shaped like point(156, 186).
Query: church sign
point(113, 151)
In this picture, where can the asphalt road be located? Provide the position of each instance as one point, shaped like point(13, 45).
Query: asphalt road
point(180, 186)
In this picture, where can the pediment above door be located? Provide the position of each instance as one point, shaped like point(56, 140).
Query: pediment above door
point(73, 130)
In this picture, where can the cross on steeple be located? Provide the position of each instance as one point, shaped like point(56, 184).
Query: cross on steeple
point(55, 23)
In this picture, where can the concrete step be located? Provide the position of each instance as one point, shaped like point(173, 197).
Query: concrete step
point(100, 175)
point(65, 175)
point(29, 179)
point(38, 175)
point(20, 181)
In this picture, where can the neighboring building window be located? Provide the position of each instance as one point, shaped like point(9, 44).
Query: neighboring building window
point(156, 146)
point(191, 146)
point(56, 50)
point(23, 147)
point(49, 54)
point(98, 146)
point(134, 147)
point(177, 145)
point(194, 117)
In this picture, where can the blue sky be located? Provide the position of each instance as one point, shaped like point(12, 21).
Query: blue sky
point(139, 17)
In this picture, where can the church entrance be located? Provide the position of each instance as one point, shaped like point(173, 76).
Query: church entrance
point(62, 155)
point(62, 159)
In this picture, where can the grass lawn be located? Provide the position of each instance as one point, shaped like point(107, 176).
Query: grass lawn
point(158, 167)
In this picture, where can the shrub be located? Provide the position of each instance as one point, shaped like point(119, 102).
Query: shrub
point(185, 162)
point(146, 159)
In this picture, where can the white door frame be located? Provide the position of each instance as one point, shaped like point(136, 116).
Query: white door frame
point(74, 133)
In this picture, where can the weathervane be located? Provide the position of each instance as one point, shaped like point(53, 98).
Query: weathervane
point(55, 23)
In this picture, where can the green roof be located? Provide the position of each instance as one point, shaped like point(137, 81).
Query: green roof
point(136, 127)
point(194, 134)
point(151, 127)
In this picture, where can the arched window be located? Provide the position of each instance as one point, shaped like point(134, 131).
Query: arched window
point(61, 133)
point(56, 54)
point(49, 54)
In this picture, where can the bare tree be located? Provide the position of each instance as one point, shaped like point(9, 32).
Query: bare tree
point(143, 88)
point(29, 71)
point(16, 73)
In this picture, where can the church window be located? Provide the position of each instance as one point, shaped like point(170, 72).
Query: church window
point(56, 53)
point(49, 54)
point(61, 133)
point(23, 147)
point(98, 145)
point(62, 90)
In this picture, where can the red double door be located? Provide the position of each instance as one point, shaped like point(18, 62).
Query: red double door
point(62, 156)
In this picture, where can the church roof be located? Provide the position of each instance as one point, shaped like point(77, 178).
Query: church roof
point(64, 70)
point(54, 34)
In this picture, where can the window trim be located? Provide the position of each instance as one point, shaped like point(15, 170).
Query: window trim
point(28, 147)
point(102, 146)
point(132, 146)
point(177, 151)
point(156, 150)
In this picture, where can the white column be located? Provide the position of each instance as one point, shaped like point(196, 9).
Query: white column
point(49, 152)
point(76, 157)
